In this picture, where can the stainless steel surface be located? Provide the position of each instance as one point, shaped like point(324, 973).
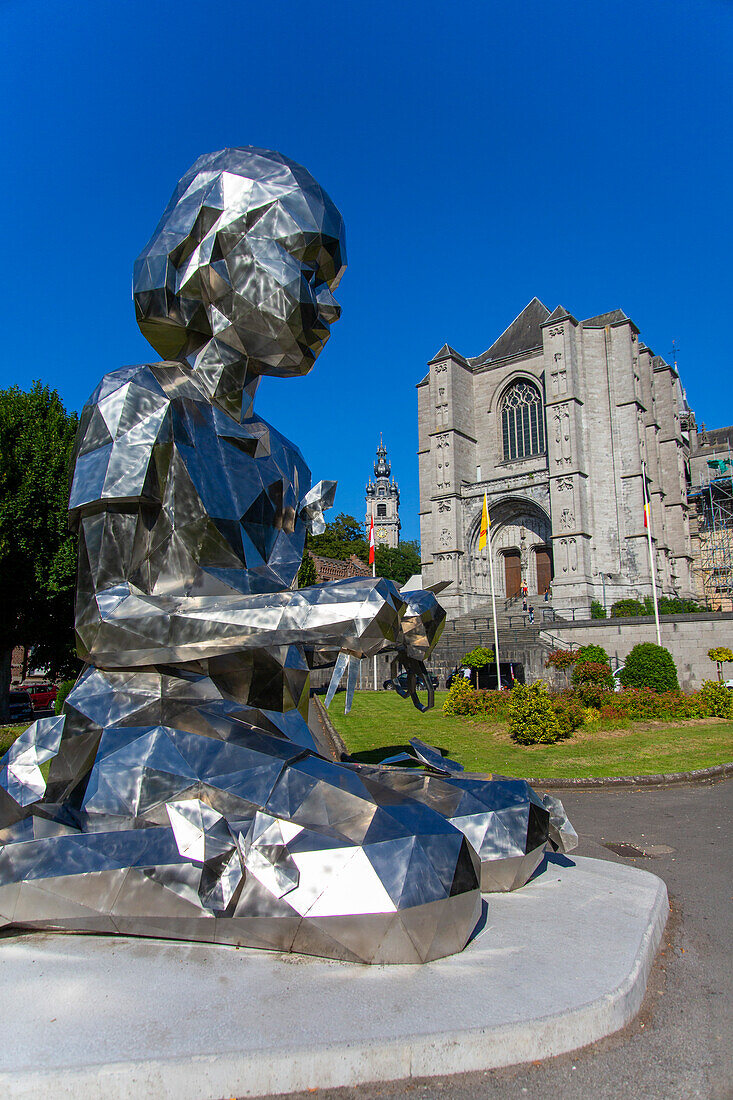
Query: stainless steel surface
point(187, 797)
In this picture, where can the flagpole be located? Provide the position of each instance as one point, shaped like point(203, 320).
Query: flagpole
point(372, 561)
point(374, 573)
point(648, 525)
point(483, 541)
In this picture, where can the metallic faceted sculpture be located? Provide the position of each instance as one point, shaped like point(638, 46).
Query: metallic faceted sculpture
point(187, 796)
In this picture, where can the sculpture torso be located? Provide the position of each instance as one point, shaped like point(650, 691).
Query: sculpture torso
point(174, 497)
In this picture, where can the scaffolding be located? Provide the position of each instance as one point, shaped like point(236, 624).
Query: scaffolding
point(714, 560)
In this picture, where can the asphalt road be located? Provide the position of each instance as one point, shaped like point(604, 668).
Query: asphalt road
point(680, 1046)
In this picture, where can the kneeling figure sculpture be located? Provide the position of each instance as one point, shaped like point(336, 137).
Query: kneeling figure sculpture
point(187, 796)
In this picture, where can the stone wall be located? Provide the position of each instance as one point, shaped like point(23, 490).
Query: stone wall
point(687, 637)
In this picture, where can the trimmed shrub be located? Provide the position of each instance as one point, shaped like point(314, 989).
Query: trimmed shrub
point(672, 605)
point(667, 606)
point(716, 699)
point(593, 695)
point(593, 653)
point(458, 695)
point(593, 672)
point(623, 609)
point(64, 688)
point(597, 610)
point(532, 719)
point(569, 714)
point(561, 660)
point(721, 655)
point(465, 702)
point(651, 666)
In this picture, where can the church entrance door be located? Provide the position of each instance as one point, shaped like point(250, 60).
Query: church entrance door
point(512, 573)
point(543, 558)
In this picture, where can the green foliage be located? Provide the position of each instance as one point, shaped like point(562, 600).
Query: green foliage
point(64, 688)
point(479, 657)
point(593, 653)
point(569, 714)
point(716, 699)
point(561, 659)
point(624, 609)
point(597, 610)
point(593, 672)
point(721, 655)
point(463, 701)
point(458, 694)
point(593, 695)
point(668, 605)
point(307, 573)
point(532, 719)
point(37, 552)
point(343, 537)
point(398, 563)
point(650, 665)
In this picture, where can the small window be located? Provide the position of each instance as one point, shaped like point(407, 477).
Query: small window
point(381, 511)
point(522, 422)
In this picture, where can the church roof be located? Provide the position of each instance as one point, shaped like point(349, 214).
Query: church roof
point(447, 352)
point(523, 334)
point(559, 314)
point(720, 437)
point(604, 319)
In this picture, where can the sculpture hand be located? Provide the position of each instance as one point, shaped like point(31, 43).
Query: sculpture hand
point(422, 625)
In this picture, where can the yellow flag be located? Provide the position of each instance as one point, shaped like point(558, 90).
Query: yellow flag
point(485, 524)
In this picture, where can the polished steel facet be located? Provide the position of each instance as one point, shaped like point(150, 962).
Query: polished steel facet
point(187, 796)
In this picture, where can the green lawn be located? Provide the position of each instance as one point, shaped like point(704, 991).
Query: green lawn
point(382, 720)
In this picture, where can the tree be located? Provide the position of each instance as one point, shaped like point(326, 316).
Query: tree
point(721, 655)
point(398, 563)
point(37, 552)
point(307, 573)
point(478, 658)
point(343, 537)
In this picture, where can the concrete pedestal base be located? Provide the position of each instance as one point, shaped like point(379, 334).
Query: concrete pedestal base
point(560, 963)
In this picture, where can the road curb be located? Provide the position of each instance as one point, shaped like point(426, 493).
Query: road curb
point(669, 779)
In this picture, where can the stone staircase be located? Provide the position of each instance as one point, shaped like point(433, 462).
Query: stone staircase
point(519, 641)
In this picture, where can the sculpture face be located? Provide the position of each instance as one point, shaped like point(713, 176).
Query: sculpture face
point(241, 268)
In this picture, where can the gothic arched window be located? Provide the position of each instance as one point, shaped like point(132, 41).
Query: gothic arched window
point(522, 421)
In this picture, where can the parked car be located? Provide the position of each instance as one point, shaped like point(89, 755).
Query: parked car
point(43, 694)
point(20, 706)
point(511, 673)
point(388, 685)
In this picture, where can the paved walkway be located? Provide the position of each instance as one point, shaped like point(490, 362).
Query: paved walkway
point(680, 1046)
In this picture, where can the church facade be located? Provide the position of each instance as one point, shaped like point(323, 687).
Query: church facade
point(383, 502)
point(553, 423)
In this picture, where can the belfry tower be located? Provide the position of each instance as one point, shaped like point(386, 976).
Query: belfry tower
point(383, 502)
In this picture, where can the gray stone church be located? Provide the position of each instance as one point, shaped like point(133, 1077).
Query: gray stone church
point(553, 423)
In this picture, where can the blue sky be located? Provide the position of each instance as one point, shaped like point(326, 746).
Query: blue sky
point(481, 154)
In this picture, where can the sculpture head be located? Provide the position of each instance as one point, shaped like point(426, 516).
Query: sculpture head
point(237, 279)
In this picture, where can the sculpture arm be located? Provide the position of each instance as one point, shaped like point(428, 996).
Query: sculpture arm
point(125, 627)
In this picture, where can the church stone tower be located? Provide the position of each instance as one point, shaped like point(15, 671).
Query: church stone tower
point(383, 502)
